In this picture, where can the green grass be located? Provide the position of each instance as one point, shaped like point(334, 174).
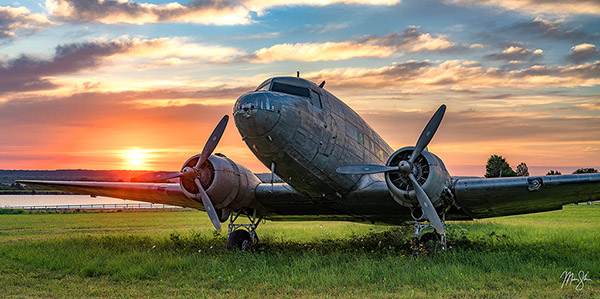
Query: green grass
point(176, 254)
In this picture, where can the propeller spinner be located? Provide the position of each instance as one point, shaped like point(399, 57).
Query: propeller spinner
point(406, 169)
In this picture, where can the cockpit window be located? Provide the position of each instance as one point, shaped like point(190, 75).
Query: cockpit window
point(264, 86)
point(315, 99)
point(290, 89)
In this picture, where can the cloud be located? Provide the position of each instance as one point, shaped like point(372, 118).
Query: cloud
point(19, 20)
point(514, 54)
point(539, 7)
point(259, 5)
point(29, 73)
point(412, 40)
point(582, 53)
point(181, 48)
point(214, 12)
point(318, 52)
point(550, 29)
point(458, 74)
point(395, 44)
point(487, 125)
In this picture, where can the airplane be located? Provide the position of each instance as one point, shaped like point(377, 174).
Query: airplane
point(332, 166)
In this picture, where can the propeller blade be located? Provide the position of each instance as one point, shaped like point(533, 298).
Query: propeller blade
point(426, 205)
point(158, 176)
point(365, 169)
point(210, 209)
point(428, 133)
point(212, 142)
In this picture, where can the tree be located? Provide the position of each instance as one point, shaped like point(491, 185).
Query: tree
point(498, 167)
point(553, 172)
point(585, 170)
point(522, 169)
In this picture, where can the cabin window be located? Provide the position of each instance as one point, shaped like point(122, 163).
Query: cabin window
point(360, 137)
point(290, 89)
point(381, 155)
point(353, 132)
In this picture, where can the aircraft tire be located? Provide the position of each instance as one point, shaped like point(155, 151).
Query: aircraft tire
point(239, 239)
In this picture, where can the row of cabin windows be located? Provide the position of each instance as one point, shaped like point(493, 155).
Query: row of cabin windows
point(315, 98)
point(360, 138)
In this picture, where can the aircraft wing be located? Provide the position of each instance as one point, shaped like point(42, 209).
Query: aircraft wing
point(492, 197)
point(476, 197)
point(169, 194)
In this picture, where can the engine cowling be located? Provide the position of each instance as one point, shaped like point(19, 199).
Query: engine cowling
point(229, 185)
point(430, 172)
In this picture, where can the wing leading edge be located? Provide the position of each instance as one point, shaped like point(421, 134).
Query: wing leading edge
point(170, 194)
point(492, 197)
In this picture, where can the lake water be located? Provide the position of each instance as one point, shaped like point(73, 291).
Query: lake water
point(53, 200)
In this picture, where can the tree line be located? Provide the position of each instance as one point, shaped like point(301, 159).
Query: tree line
point(497, 166)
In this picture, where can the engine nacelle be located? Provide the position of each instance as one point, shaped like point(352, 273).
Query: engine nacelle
point(430, 172)
point(229, 185)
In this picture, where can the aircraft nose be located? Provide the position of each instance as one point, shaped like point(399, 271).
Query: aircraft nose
point(257, 113)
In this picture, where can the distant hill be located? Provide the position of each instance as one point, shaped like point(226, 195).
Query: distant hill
point(10, 176)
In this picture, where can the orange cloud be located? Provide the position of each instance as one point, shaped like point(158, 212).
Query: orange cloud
point(459, 74)
point(397, 44)
point(319, 52)
point(259, 6)
point(540, 7)
point(179, 48)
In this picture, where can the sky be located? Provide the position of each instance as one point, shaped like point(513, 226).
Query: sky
point(92, 84)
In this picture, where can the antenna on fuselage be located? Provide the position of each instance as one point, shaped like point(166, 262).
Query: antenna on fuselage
point(322, 84)
point(298, 74)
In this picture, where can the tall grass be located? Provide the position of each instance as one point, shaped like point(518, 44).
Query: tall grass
point(176, 254)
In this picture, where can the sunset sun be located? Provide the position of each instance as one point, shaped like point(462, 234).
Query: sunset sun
point(135, 157)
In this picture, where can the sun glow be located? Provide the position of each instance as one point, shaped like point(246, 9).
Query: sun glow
point(135, 157)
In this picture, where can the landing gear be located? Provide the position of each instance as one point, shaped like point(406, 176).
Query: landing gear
point(243, 236)
point(430, 241)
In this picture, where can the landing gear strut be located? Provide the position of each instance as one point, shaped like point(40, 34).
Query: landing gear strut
point(243, 236)
point(421, 240)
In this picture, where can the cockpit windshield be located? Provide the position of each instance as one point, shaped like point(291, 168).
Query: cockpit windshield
point(276, 85)
point(290, 89)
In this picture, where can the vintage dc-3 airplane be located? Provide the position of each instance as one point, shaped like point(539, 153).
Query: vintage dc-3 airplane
point(334, 166)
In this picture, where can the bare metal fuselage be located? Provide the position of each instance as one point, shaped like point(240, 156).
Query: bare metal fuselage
point(307, 141)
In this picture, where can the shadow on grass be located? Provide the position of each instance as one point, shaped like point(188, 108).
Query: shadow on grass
point(396, 241)
point(392, 241)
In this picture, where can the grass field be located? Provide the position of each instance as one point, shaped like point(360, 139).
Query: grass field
point(176, 254)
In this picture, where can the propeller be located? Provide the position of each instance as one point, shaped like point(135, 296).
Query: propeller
point(428, 133)
point(192, 173)
point(160, 176)
point(365, 169)
point(406, 168)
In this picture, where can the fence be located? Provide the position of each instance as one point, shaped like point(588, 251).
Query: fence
point(138, 206)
